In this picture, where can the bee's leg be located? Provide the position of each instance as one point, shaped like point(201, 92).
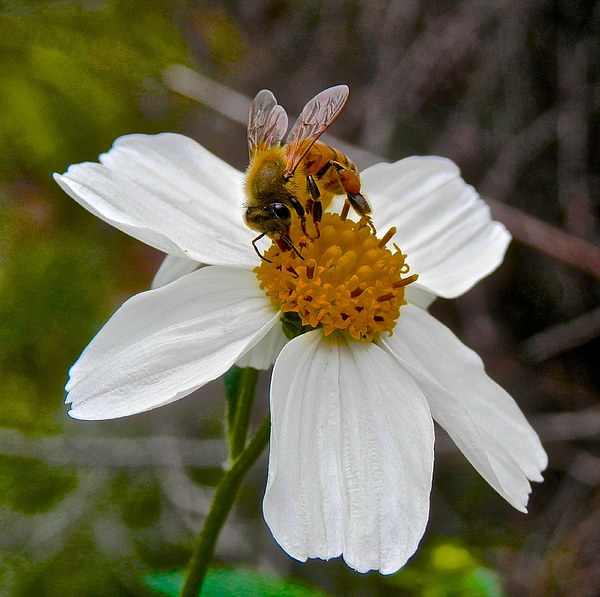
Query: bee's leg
point(256, 248)
point(361, 206)
point(299, 209)
point(314, 205)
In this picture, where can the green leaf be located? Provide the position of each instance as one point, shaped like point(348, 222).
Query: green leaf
point(292, 325)
point(233, 583)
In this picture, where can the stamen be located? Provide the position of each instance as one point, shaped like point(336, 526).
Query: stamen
point(405, 281)
point(388, 296)
point(386, 237)
point(358, 291)
point(348, 280)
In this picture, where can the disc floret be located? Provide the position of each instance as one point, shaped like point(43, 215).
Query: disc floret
point(347, 279)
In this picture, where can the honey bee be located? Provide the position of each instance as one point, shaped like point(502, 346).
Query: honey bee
point(297, 177)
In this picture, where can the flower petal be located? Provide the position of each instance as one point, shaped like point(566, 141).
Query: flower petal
point(169, 192)
point(415, 294)
point(173, 268)
point(482, 419)
point(264, 354)
point(163, 344)
point(351, 454)
point(443, 226)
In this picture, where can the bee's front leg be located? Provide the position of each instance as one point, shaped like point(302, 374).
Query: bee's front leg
point(254, 241)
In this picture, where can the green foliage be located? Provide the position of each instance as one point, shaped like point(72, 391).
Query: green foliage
point(74, 78)
point(75, 571)
point(51, 302)
point(292, 325)
point(140, 499)
point(233, 583)
point(31, 487)
point(447, 569)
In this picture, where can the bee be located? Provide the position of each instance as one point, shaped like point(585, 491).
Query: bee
point(297, 177)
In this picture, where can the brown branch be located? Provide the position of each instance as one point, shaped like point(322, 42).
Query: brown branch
point(562, 337)
point(548, 239)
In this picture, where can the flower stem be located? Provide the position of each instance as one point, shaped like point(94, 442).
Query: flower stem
point(221, 505)
point(246, 388)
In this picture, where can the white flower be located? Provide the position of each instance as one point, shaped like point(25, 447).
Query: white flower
point(351, 452)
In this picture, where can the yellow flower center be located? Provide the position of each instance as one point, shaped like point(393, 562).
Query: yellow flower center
point(347, 280)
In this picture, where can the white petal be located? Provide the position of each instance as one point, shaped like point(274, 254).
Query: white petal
point(443, 226)
point(351, 454)
point(415, 294)
point(163, 344)
point(169, 192)
point(264, 354)
point(482, 419)
point(173, 268)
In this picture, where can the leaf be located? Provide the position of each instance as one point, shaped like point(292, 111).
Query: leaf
point(232, 583)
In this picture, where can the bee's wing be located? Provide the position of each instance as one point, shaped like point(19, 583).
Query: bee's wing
point(267, 122)
point(318, 114)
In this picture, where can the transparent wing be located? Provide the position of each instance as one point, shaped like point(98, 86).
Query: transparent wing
point(267, 122)
point(318, 114)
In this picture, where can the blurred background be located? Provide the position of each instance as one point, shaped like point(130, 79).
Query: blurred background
point(509, 90)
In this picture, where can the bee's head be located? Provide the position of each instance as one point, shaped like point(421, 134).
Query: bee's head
point(272, 218)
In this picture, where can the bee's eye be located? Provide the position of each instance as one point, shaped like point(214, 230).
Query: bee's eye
point(279, 210)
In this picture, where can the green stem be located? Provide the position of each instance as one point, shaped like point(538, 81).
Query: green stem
point(221, 505)
point(245, 400)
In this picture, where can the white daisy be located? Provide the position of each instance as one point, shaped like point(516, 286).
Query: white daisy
point(351, 452)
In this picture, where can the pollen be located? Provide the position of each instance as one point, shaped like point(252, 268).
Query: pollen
point(347, 279)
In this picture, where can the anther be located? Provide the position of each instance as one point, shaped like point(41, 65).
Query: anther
point(310, 269)
point(358, 291)
point(386, 297)
point(405, 281)
point(292, 271)
point(386, 237)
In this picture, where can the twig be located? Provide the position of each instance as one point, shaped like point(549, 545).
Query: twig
point(562, 337)
point(566, 426)
point(548, 239)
